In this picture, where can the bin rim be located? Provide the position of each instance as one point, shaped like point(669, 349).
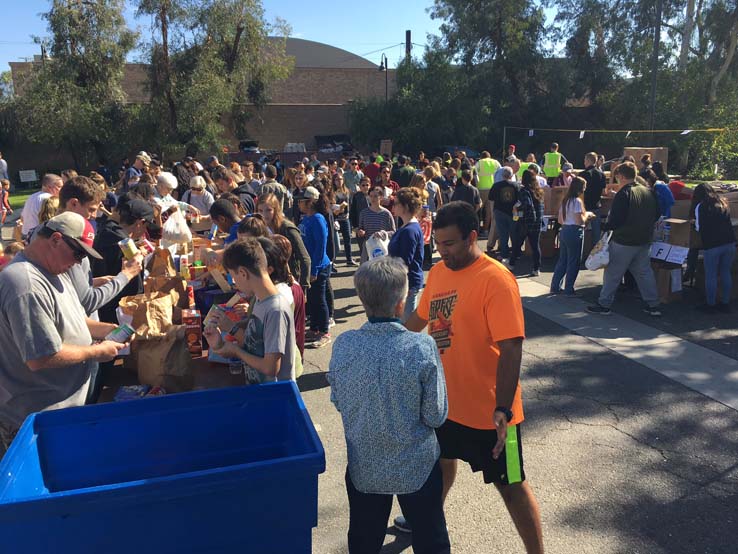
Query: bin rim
point(314, 459)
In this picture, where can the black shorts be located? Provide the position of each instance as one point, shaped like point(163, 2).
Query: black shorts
point(474, 446)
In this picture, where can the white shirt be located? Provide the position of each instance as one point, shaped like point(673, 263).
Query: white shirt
point(573, 207)
point(31, 209)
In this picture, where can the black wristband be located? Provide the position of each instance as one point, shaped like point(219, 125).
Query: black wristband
point(506, 411)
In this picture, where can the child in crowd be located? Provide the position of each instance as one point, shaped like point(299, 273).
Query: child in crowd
point(268, 348)
point(49, 207)
point(9, 253)
point(5, 208)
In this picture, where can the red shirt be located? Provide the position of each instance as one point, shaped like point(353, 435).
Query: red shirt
point(371, 171)
point(677, 188)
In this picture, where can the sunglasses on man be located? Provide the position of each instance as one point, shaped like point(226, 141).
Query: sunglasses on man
point(77, 252)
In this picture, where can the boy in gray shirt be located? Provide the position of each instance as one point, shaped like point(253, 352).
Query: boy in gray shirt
point(268, 348)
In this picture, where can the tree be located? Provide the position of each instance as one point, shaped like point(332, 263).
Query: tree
point(74, 98)
point(208, 61)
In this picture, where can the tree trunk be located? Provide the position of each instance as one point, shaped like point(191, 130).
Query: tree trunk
point(686, 36)
point(164, 22)
point(729, 54)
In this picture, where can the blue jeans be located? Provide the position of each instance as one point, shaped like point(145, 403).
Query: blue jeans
point(504, 224)
point(411, 303)
point(596, 224)
point(571, 238)
point(344, 227)
point(317, 302)
point(423, 510)
point(718, 262)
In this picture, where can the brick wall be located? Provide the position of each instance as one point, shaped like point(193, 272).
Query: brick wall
point(278, 124)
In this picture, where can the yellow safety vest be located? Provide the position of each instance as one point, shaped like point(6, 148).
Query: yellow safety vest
point(523, 167)
point(552, 164)
point(486, 168)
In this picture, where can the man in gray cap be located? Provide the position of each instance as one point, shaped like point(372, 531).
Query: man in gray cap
point(46, 339)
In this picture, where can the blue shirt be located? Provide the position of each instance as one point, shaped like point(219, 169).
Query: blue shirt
point(407, 244)
point(388, 384)
point(665, 198)
point(314, 231)
point(232, 234)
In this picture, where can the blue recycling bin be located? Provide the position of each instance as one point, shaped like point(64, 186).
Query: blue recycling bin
point(218, 471)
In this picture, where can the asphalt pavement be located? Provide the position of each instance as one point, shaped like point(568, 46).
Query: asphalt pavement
point(621, 458)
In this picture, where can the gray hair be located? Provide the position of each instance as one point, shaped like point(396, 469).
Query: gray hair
point(381, 284)
point(167, 179)
point(507, 172)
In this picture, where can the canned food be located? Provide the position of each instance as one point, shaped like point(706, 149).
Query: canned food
point(129, 248)
point(121, 334)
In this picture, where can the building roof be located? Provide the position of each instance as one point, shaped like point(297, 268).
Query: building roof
point(308, 53)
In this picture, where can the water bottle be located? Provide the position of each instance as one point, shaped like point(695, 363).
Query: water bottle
point(516, 211)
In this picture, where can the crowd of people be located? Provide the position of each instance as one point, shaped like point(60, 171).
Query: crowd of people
point(284, 230)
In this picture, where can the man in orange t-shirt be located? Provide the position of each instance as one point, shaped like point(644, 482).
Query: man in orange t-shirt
point(471, 304)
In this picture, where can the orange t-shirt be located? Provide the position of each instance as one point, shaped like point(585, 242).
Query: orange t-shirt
point(468, 313)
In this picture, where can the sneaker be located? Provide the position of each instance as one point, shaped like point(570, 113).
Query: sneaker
point(724, 308)
point(331, 323)
point(653, 311)
point(535, 273)
point(321, 342)
point(573, 294)
point(600, 310)
point(402, 525)
point(312, 336)
point(352, 263)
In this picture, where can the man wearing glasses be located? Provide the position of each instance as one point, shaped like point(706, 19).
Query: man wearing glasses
point(352, 176)
point(51, 184)
point(46, 339)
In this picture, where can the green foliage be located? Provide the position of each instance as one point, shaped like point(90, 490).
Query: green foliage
point(74, 99)
point(209, 61)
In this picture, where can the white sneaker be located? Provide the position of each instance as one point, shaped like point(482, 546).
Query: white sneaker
point(331, 323)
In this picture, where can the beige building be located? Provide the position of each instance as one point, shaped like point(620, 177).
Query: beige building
point(312, 101)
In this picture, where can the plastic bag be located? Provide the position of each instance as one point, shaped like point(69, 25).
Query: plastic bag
point(599, 257)
point(376, 247)
point(175, 230)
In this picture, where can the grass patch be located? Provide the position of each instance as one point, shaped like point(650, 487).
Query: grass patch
point(18, 198)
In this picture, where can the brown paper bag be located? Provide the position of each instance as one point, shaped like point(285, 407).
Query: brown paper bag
point(151, 313)
point(161, 264)
point(164, 361)
point(174, 286)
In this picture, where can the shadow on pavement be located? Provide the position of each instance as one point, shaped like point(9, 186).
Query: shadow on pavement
point(654, 463)
point(312, 381)
point(401, 543)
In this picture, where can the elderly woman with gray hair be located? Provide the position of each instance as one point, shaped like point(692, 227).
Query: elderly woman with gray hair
point(165, 183)
point(388, 384)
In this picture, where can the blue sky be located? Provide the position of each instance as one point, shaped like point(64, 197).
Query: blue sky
point(366, 29)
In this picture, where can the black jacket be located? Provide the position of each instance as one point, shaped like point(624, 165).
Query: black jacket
point(596, 183)
point(109, 233)
point(247, 195)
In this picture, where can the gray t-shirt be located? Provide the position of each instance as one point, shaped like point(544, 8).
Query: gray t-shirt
point(270, 330)
point(38, 313)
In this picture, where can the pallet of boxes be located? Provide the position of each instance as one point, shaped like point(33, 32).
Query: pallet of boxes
point(679, 233)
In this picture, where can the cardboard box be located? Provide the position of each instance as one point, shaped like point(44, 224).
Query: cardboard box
point(668, 281)
point(549, 244)
point(680, 209)
point(552, 198)
point(683, 233)
point(192, 321)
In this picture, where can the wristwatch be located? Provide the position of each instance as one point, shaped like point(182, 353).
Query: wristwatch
point(507, 412)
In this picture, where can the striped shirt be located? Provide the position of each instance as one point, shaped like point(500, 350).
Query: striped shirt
point(372, 221)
